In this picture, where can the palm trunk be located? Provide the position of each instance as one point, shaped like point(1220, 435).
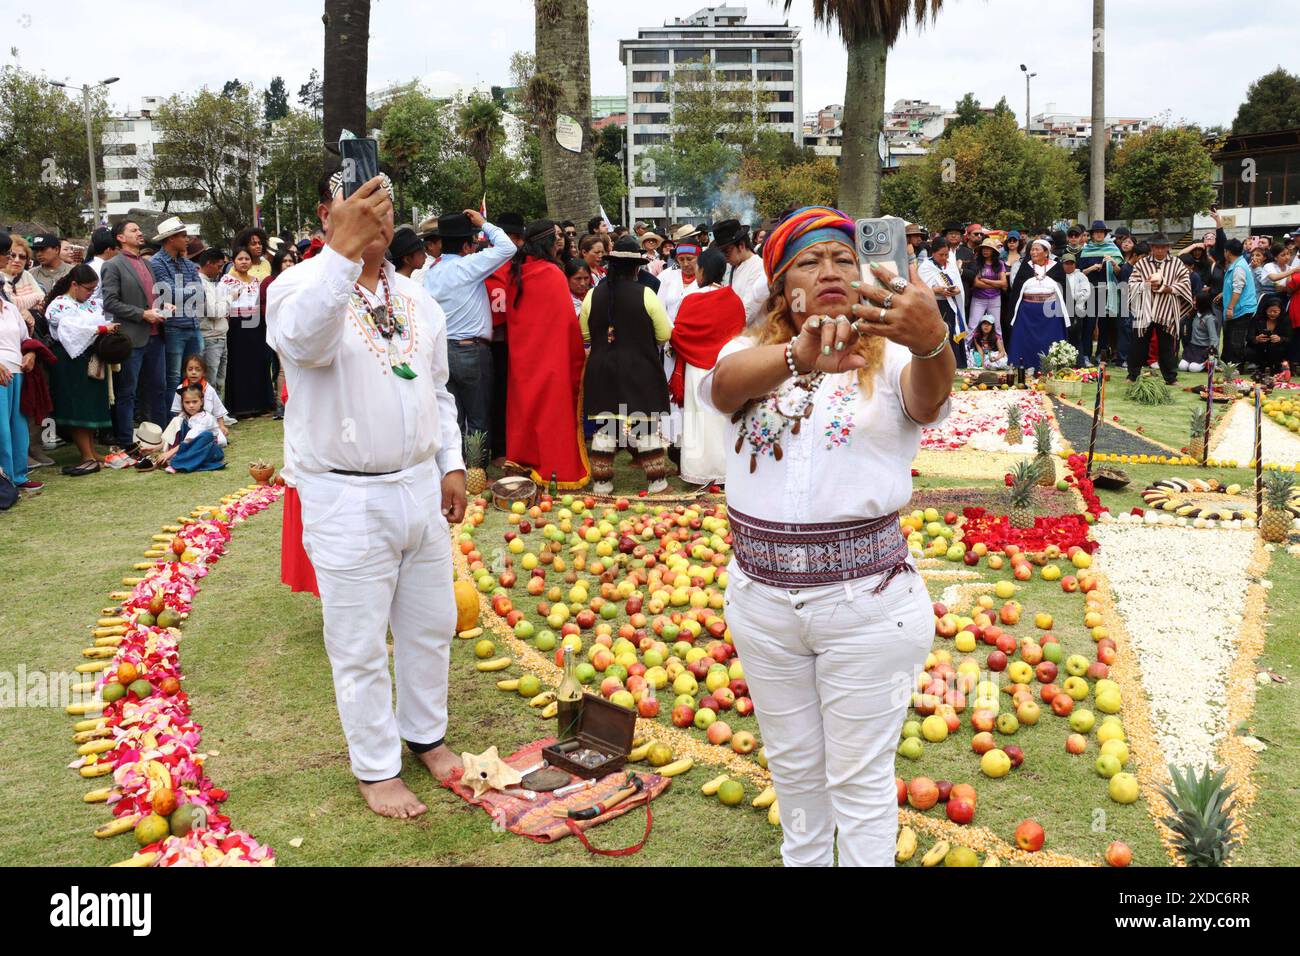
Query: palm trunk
point(562, 50)
point(347, 48)
point(864, 107)
point(1097, 147)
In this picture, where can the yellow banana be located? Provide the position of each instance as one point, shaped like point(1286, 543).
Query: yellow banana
point(122, 824)
point(165, 538)
point(97, 770)
point(131, 582)
point(115, 641)
point(108, 631)
point(92, 667)
point(511, 683)
point(550, 710)
point(906, 847)
point(936, 854)
point(542, 699)
point(85, 736)
point(173, 528)
point(711, 788)
point(87, 688)
point(140, 859)
point(676, 767)
point(774, 813)
point(765, 799)
point(638, 753)
point(110, 622)
point(119, 595)
point(143, 565)
point(98, 653)
point(92, 723)
point(98, 796)
point(95, 747)
point(500, 664)
point(158, 773)
point(470, 634)
point(86, 707)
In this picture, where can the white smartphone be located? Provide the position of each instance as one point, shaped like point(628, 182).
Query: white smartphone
point(882, 241)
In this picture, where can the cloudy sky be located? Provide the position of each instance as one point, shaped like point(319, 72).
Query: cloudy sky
point(1157, 49)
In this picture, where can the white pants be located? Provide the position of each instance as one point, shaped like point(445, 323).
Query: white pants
point(382, 554)
point(704, 435)
point(831, 671)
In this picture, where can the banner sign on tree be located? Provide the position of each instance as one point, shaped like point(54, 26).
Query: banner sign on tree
point(568, 133)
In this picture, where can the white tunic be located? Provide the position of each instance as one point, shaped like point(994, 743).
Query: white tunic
point(851, 460)
point(749, 281)
point(347, 410)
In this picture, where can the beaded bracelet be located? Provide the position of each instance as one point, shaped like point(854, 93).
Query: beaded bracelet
point(789, 362)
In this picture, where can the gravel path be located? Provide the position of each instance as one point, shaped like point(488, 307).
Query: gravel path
point(1076, 425)
point(1235, 439)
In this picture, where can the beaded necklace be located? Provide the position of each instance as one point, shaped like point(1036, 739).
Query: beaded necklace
point(385, 321)
point(764, 430)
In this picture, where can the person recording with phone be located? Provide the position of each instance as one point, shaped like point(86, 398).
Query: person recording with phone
point(371, 437)
point(826, 400)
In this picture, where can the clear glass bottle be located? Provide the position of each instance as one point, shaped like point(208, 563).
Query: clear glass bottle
point(568, 698)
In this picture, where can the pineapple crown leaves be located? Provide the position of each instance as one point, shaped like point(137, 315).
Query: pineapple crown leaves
point(1042, 437)
point(1202, 819)
point(476, 449)
point(1197, 423)
point(1021, 487)
point(1013, 414)
point(1277, 487)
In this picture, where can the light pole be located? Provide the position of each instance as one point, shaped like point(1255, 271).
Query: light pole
point(90, 142)
point(1028, 76)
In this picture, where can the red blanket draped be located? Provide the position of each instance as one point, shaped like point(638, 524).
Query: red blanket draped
point(546, 360)
point(706, 321)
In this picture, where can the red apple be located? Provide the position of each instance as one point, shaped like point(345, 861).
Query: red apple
point(744, 706)
point(1015, 753)
point(945, 790)
point(719, 733)
point(1118, 854)
point(1062, 705)
point(648, 706)
point(683, 715)
point(960, 810)
point(982, 742)
point(1045, 672)
point(1029, 836)
point(997, 661)
point(922, 793)
point(901, 787)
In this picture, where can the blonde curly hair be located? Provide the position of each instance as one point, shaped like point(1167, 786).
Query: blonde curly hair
point(779, 328)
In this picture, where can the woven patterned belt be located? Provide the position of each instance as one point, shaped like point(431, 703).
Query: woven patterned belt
point(808, 555)
point(1039, 296)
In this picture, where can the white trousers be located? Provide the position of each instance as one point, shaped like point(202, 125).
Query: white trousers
point(831, 670)
point(704, 435)
point(382, 554)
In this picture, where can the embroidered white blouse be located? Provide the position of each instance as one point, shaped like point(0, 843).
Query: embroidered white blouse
point(851, 460)
point(347, 409)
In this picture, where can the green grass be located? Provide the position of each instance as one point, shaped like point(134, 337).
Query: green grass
point(1166, 424)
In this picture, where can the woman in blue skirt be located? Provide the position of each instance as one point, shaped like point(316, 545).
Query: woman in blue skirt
point(1039, 320)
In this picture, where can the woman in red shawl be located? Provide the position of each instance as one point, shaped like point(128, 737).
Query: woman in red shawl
point(543, 432)
point(706, 321)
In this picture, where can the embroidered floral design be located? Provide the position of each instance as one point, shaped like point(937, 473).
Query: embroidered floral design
point(839, 425)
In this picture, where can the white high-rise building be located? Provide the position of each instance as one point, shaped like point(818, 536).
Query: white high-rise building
point(743, 53)
point(128, 143)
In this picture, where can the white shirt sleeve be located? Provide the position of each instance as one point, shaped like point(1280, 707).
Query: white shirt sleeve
point(449, 456)
point(897, 358)
point(704, 391)
point(305, 320)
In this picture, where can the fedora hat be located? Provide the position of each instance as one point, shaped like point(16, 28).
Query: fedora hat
point(1158, 239)
point(728, 232)
point(651, 237)
point(682, 233)
point(913, 229)
point(952, 227)
point(627, 248)
point(991, 243)
point(512, 224)
point(456, 226)
point(113, 348)
point(195, 248)
point(168, 228)
point(148, 435)
point(428, 228)
point(405, 241)
point(1099, 226)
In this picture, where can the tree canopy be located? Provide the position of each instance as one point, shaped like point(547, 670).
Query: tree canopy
point(1272, 102)
point(1163, 173)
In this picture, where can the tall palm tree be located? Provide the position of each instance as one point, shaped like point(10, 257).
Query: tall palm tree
point(478, 121)
point(562, 86)
point(869, 28)
point(347, 57)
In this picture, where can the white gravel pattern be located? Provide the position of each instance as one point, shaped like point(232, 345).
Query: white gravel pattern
point(1181, 594)
point(1236, 439)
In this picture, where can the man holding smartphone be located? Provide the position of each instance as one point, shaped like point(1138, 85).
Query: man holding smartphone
point(370, 433)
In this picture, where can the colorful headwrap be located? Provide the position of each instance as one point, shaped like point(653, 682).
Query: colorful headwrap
point(687, 249)
point(803, 228)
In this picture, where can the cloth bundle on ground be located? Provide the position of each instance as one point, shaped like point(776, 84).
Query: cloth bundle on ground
point(536, 819)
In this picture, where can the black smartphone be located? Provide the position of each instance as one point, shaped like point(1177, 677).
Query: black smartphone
point(360, 163)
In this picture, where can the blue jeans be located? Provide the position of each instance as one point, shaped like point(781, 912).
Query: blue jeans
point(149, 362)
point(470, 383)
point(181, 344)
point(13, 431)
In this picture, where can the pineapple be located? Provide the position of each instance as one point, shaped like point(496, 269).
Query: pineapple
point(1021, 492)
point(1277, 496)
point(1196, 447)
point(476, 459)
point(1014, 435)
point(1043, 454)
point(1205, 832)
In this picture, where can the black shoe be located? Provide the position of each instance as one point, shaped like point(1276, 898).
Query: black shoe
point(85, 468)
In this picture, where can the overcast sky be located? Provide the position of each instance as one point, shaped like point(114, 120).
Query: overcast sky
point(1157, 50)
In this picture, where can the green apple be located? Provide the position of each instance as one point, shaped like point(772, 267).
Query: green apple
point(1082, 721)
point(911, 729)
point(911, 748)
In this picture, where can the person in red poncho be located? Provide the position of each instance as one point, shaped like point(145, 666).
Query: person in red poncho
point(706, 321)
point(546, 360)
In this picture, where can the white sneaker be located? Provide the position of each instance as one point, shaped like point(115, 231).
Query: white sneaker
point(658, 486)
point(603, 488)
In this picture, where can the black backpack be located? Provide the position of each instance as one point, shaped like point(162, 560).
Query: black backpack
point(8, 492)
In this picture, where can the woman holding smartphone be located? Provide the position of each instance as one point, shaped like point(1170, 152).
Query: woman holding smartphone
point(827, 398)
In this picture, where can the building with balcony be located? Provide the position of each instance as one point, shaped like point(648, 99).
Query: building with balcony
point(1258, 180)
point(744, 55)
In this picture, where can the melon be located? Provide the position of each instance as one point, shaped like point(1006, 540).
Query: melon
point(466, 605)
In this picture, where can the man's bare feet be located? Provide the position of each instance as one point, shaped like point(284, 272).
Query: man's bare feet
point(392, 798)
point(441, 761)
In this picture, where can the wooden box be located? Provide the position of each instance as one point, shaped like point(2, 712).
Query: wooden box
point(602, 726)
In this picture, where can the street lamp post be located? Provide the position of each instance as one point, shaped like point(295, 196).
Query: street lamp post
point(90, 141)
point(1028, 76)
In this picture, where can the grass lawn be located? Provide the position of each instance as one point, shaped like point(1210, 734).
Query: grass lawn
point(1166, 424)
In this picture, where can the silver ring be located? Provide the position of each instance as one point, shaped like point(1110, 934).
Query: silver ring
point(882, 315)
point(888, 302)
point(841, 318)
point(898, 284)
point(814, 322)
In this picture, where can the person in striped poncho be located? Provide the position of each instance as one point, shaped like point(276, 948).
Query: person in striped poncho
point(1160, 291)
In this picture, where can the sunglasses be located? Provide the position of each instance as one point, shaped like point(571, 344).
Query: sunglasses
point(21, 256)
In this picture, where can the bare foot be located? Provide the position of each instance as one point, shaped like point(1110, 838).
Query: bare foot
point(441, 761)
point(392, 798)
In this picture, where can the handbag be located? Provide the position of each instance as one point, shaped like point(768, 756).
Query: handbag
point(8, 492)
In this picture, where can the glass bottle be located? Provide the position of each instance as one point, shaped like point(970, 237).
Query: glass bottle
point(568, 698)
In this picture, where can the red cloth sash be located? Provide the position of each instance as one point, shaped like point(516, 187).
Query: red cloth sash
point(706, 321)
